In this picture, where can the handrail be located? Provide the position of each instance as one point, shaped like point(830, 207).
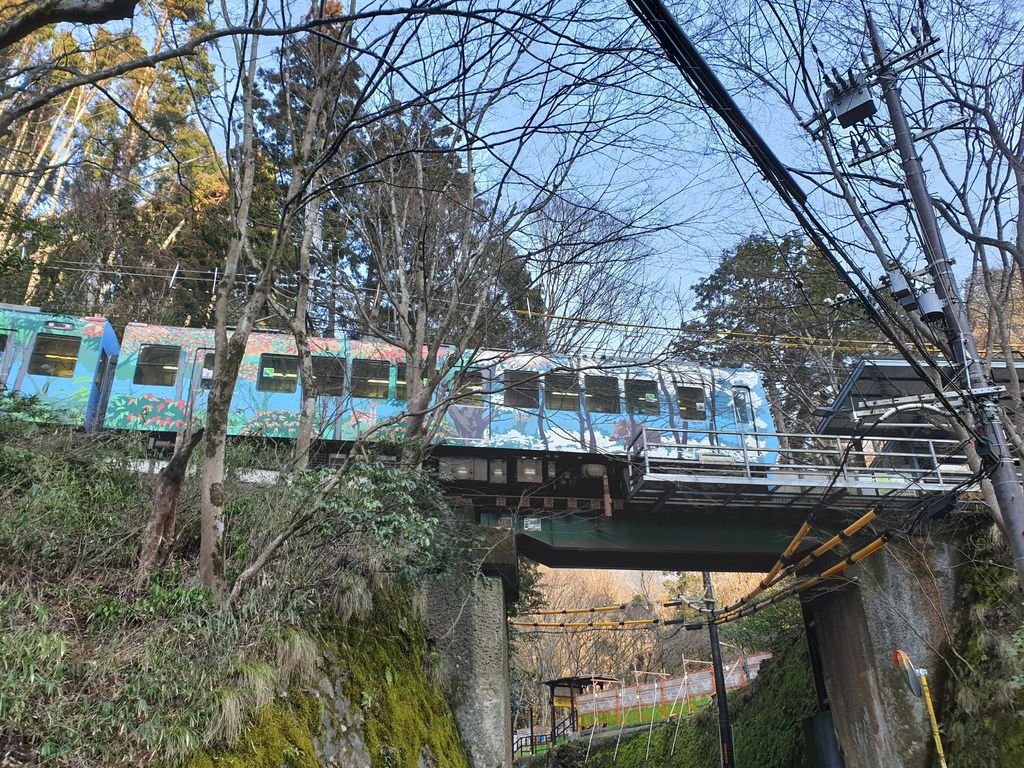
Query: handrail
point(797, 459)
point(762, 435)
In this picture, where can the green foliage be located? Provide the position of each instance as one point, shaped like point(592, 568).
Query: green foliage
point(775, 290)
point(769, 629)
point(68, 500)
point(97, 671)
point(767, 717)
point(983, 716)
point(385, 655)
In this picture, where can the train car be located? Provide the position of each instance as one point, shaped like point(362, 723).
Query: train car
point(514, 419)
point(63, 361)
point(164, 375)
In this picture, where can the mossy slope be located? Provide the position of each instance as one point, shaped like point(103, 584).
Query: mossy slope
point(407, 718)
point(982, 704)
point(381, 660)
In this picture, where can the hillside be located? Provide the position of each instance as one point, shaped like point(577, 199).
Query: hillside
point(767, 718)
point(323, 661)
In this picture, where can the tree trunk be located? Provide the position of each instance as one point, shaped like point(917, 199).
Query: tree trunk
point(159, 538)
point(304, 438)
point(212, 498)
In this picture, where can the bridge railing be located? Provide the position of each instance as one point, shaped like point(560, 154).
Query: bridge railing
point(797, 459)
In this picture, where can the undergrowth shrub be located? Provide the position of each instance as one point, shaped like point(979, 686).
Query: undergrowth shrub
point(98, 671)
point(983, 703)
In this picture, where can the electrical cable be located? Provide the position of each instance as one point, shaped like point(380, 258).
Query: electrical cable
point(564, 611)
point(656, 17)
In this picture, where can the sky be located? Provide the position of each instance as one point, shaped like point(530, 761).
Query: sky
point(660, 158)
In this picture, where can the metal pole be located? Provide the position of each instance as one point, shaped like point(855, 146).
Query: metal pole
point(724, 727)
point(533, 741)
point(1005, 483)
point(931, 717)
point(551, 745)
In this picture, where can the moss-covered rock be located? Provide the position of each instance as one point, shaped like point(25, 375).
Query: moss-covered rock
point(408, 722)
point(281, 737)
point(375, 704)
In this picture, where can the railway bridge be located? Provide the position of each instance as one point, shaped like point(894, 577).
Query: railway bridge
point(735, 505)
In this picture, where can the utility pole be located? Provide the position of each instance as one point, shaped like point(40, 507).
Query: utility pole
point(724, 726)
point(1005, 482)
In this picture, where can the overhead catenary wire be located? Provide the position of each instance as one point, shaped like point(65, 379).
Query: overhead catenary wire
point(596, 624)
point(703, 334)
point(565, 611)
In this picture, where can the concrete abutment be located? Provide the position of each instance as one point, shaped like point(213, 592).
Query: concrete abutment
point(467, 627)
point(903, 597)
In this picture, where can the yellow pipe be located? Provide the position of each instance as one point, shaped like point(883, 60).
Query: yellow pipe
point(774, 577)
point(857, 556)
point(931, 716)
point(832, 543)
point(586, 624)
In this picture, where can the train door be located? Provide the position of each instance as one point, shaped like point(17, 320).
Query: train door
point(370, 395)
point(329, 381)
point(105, 370)
point(468, 419)
point(8, 341)
point(516, 420)
point(735, 415)
point(602, 409)
point(200, 380)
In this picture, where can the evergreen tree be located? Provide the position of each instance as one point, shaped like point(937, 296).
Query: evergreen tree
point(770, 304)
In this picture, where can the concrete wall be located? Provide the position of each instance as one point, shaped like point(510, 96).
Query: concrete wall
point(468, 628)
point(902, 597)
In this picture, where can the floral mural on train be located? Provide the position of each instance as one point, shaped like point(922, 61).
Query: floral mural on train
point(158, 379)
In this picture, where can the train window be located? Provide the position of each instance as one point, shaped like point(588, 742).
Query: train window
point(278, 373)
point(743, 405)
point(54, 355)
point(401, 389)
point(602, 394)
point(3, 344)
point(469, 388)
point(561, 392)
point(521, 390)
point(329, 375)
point(206, 374)
point(691, 401)
point(157, 365)
point(370, 378)
point(642, 397)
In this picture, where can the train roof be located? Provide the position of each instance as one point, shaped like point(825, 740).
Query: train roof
point(885, 378)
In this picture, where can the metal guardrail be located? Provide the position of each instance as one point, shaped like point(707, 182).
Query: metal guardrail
point(738, 672)
point(541, 740)
point(787, 465)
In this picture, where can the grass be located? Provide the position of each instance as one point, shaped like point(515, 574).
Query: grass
point(642, 716)
point(767, 717)
point(612, 721)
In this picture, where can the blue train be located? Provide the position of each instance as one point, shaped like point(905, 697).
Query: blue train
point(515, 419)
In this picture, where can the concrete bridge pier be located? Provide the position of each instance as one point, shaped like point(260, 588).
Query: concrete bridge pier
point(902, 597)
point(467, 628)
